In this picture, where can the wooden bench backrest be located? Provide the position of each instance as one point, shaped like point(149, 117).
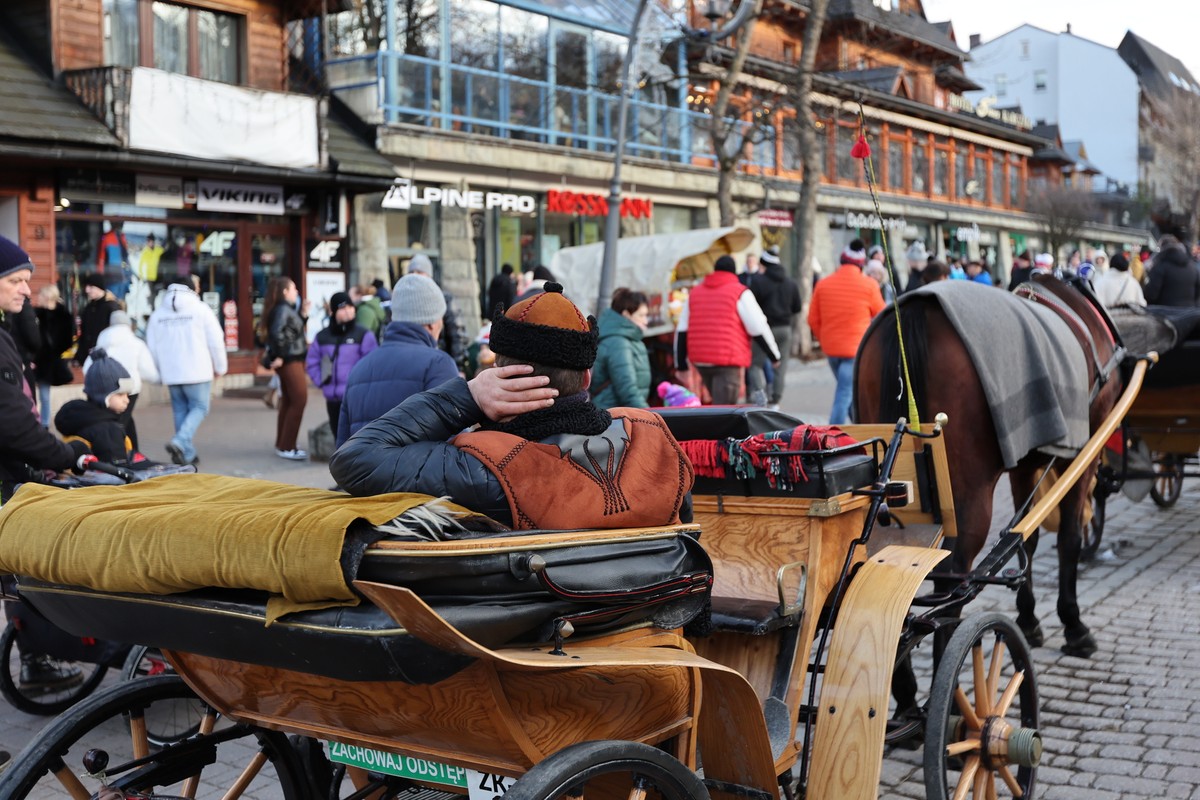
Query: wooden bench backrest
point(906, 470)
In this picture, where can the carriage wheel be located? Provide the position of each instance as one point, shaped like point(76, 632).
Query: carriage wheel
point(41, 702)
point(1168, 481)
point(609, 771)
point(222, 760)
point(147, 662)
point(982, 735)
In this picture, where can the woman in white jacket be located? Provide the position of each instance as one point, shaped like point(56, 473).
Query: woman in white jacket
point(122, 344)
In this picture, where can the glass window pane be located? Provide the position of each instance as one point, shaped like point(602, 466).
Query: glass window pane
point(475, 34)
point(1014, 186)
point(980, 176)
point(997, 195)
point(571, 59)
point(941, 171)
point(523, 36)
point(170, 37)
point(418, 20)
point(896, 164)
point(960, 175)
point(219, 46)
point(121, 33)
point(847, 166)
point(610, 52)
point(920, 167)
point(791, 144)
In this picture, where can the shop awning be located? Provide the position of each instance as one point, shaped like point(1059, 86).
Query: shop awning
point(646, 263)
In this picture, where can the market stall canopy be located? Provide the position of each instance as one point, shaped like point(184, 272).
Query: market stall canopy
point(646, 263)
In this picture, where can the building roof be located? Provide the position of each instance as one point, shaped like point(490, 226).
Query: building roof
point(952, 77)
point(351, 145)
point(38, 109)
point(879, 79)
point(1078, 154)
point(1160, 73)
point(916, 28)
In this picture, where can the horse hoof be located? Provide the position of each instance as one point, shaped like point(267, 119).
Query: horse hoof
point(1083, 647)
point(1033, 634)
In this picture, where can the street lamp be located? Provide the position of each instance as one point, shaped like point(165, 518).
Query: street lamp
point(712, 10)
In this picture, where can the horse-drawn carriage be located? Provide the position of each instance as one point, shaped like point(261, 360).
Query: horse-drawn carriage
point(545, 664)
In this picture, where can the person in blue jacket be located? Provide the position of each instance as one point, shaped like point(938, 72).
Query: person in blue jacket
point(408, 360)
point(335, 351)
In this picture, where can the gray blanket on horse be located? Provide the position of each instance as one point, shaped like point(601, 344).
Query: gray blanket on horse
point(1032, 369)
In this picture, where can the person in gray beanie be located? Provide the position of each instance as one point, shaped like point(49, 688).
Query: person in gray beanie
point(406, 362)
point(453, 338)
point(107, 386)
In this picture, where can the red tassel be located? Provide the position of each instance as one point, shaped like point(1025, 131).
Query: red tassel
point(860, 149)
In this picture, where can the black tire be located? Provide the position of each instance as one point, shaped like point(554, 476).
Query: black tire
point(144, 662)
point(993, 639)
point(614, 765)
point(42, 703)
point(1168, 483)
point(49, 763)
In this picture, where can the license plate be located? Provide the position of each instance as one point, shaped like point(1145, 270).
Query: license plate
point(479, 785)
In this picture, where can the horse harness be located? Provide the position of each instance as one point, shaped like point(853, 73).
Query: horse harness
point(1037, 293)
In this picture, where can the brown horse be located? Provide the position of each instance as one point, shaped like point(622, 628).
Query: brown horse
point(945, 379)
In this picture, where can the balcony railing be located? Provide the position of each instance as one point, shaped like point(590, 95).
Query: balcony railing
point(396, 87)
point(105, 91)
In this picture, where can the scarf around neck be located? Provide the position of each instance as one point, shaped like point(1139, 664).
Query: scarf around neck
point(575, 414)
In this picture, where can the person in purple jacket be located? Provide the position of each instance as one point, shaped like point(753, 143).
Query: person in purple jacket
point(335, 351)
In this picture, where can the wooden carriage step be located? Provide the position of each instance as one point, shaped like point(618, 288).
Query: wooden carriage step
point(749, 616)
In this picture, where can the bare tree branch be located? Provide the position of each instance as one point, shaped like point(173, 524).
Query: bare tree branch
point(1063, 212)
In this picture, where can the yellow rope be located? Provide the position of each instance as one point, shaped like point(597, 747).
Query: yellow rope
point(914, 418)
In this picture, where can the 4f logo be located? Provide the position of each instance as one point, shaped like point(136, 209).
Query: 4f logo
point(217, 242)
point(325, 252)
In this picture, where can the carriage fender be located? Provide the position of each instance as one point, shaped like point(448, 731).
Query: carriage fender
point(853, 707)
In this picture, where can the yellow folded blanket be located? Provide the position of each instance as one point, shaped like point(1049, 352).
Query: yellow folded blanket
point(181, 532)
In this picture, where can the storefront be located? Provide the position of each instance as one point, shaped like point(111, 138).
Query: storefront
point(143, 232)
point(520, 227)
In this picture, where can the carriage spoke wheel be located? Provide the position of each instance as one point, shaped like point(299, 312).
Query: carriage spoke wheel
point(1168, 480)
point(110, 733)
point(609, 771)
point(982, 739)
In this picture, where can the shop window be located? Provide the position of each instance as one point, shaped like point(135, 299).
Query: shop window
point(848, 167)
point(1014, 184)
point(920, 167)
point(941, 171)
point(896, 169)
point(177, 38)
point(961, 177)
point(979, 179)
point(997, 195)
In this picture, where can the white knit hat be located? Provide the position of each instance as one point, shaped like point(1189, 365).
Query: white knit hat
point(417, 299)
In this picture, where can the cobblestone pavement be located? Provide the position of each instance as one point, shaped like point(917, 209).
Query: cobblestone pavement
point(1118, 725)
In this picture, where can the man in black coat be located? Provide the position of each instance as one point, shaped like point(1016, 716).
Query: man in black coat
point(779, 297)
point(95, 315)
point(1173, 279)
point(26, 448)
point(502, 291)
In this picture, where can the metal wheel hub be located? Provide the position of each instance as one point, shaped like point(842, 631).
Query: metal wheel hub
point(1001, 744)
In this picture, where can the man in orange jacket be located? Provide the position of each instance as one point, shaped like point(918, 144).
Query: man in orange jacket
point(841, 309)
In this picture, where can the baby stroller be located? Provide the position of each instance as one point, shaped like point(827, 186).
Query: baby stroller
point(45, 670)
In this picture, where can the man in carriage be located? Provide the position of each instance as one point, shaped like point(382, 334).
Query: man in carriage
point(540, 454)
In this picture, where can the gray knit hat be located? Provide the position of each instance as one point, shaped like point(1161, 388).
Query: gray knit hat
point(104, 377)
point(12, 257)
point(417, 299)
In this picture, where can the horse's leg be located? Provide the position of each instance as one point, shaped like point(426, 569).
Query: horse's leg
point(1079, 640)
point(1022, 481)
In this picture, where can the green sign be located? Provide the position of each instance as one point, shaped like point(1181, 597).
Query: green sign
point(417, 769)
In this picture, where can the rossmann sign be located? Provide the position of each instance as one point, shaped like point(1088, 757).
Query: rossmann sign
point(595, 205)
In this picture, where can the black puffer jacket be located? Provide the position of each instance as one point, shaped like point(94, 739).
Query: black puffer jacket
point(1174, 280)
point(777, 294)
point(101, 427)
point(408, 450)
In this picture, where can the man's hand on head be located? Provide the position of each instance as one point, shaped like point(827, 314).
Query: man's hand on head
point(503, 392)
